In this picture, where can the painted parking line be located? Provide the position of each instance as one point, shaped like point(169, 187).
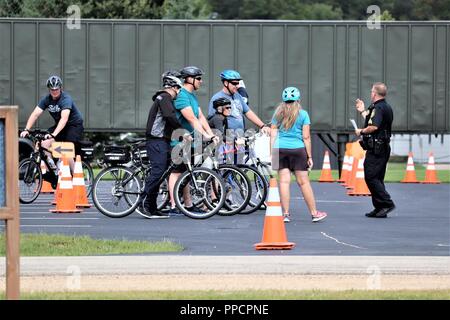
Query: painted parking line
point(330, 201)
point(68, 218)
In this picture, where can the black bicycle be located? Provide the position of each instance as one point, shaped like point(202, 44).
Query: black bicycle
point(30, 173)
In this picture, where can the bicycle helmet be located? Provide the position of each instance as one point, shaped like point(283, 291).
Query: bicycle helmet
point(230, 75)
point(221, 102)
point(190, 71)
point(290, 94)
point(54, 82)
point(171, 79)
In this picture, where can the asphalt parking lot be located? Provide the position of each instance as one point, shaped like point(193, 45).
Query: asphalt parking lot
point(420, 226)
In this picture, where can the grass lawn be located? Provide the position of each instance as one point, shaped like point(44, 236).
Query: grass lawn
point(242, 295)
point(61, 245)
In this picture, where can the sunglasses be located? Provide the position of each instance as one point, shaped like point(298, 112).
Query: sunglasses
point(198, 78)
point(228, 108)
point(234, 83)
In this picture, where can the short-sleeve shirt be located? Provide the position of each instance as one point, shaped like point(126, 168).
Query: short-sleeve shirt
point(62, 103)
point(381, 117)
point(293, 137)
point(238, 109)
point(186, 99)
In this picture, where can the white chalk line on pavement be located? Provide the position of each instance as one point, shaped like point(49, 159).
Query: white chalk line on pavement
point(53, 226)
point(329, 201)
point(443, 245)
point(343, 243)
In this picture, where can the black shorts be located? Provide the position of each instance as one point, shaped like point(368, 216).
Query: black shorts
point(70, 133)
point(292, 159)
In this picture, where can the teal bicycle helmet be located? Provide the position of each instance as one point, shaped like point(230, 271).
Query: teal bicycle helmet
point(230, 75)
point(290, 94)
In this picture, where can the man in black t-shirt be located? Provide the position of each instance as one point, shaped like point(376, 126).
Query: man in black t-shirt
point(68, 119)
point(376, 136)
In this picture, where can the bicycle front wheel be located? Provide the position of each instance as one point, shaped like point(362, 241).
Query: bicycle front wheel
point(30, 181)
point(237, 189)
point(259, 188)
point(204, 188)
point(116, 191)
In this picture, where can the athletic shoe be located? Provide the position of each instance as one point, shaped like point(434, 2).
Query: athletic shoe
point(319, 216)
point(287, 218)
point(159, 215)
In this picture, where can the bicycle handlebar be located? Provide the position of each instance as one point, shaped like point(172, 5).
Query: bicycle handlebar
point(38, 134)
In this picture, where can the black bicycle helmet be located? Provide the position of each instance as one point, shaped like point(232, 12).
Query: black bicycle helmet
point(54, 82)
point(221, 102)
point(171, 79)
point(190, 71)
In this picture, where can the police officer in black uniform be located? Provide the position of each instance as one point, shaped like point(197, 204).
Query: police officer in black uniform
point(375, 138)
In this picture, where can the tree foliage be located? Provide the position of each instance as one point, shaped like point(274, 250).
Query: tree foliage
point(182, 9)
point(230, 9)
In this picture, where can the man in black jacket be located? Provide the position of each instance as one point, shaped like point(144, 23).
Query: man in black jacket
point(161, 123)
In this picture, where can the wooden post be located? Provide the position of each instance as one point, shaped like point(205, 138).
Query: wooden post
point(9, 209)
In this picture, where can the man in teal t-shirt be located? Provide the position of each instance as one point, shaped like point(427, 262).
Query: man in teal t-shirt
point(192, 119)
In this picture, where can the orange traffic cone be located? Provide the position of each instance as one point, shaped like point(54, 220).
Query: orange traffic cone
point(348, 171)
point(65, 201)
point(46, 186)
point(79, 186)
point(325, 175)
point(430, 173)
point(410, 176)
point(352, 174)
point(344, 172)
point(360, 188)
point(274, 233)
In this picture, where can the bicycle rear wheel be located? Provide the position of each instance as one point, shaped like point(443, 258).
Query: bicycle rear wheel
point(206, 190)
point(30, 181)
point(116, 191)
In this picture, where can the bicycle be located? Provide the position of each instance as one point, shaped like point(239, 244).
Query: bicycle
point(118, 190)
point(30, 173)
point(237, 183)
point(134, 155)
point(257, 171)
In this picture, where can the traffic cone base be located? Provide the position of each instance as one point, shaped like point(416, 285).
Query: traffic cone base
point(274, 232)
